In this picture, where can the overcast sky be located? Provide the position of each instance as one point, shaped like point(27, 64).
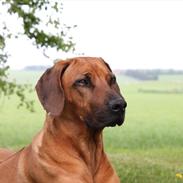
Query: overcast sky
point(127, 34)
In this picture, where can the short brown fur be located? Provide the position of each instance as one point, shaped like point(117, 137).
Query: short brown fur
point(66, 150)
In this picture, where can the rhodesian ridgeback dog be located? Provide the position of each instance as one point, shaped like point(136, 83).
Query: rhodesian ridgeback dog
point(81, 97)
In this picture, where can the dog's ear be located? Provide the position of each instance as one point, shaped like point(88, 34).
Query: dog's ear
point(106, 64)
point(50, 91)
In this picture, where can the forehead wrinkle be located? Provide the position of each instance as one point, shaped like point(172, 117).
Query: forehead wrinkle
point(94, 66)
point(100, 70)
point(91, 68)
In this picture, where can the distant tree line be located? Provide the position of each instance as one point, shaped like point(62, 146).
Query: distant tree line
point(36, 68)
point(142, 74)
point(149, 74)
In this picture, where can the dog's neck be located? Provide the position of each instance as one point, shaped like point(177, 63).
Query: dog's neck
point(76, 138)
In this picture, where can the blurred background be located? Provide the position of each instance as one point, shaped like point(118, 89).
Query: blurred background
point(141, 40)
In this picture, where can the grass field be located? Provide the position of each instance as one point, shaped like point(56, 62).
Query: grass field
point(148, 148)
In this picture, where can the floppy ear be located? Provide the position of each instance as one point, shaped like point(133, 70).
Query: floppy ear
point(49, 89)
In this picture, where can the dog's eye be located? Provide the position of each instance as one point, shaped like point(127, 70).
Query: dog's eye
point(83, 82)
point(112, 80)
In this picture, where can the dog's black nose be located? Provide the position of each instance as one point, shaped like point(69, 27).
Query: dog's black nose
point(117, 105)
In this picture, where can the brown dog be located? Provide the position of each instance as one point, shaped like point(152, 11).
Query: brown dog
point(81, 97)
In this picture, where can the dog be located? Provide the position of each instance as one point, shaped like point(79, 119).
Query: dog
point(81, 97)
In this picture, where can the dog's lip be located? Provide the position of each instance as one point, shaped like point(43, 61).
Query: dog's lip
point(110, 120)
point(112, 124)
point(118, 122)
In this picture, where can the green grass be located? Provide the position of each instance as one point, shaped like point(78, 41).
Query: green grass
point(148, 166)
point(147, 148)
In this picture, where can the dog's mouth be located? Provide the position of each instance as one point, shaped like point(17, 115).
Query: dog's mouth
point(112, 124)
point(119, 120)
point(102, 120)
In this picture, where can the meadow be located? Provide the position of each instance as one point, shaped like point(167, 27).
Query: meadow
point(147, 148)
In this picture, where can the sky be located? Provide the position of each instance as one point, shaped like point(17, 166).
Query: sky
point(127, 34)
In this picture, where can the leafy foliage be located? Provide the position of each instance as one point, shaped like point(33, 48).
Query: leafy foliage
point(41, 23)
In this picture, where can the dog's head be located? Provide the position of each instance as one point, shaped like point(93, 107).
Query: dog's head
point(84, 88)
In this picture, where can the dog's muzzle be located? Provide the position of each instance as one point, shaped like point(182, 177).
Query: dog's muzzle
point(117, 108)
point(112, 114)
